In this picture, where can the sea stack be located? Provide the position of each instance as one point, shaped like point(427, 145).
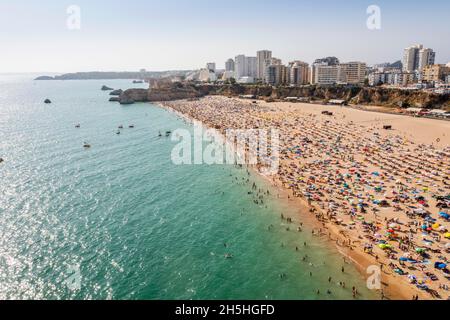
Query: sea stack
point(106, 88)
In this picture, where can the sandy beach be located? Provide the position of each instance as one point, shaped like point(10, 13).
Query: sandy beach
point(381, 196)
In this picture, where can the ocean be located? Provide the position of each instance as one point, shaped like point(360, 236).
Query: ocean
point(121, 221)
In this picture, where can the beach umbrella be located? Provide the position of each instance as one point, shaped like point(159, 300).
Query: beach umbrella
point(440, 265)
point(447, 235)
point(436, 226)
point(444, 215)
point(420, 250)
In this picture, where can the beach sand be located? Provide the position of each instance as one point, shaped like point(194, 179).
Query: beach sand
point(371, 191)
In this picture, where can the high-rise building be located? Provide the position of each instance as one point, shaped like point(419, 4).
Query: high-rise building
point(240, 66)
point(251, 67)
point(229, 65)
point(273, 74)
point(261, 57)
point(411, 58)
point(325, 74)
point(245, 66)
point(299, 73)
point(325, 71)
point(211, 66)
point(426, 58)
point(352, 72)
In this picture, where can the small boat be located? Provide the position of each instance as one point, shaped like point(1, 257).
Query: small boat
point(78, 126)
point(121, 127)
point(160, 134)
point(86, 145)
point(118, 132)
point(168, 133)
point(131, 126)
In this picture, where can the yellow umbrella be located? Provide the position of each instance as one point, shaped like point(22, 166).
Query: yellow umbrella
point(447, 235)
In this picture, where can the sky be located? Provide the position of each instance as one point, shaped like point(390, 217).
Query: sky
point(118, 35)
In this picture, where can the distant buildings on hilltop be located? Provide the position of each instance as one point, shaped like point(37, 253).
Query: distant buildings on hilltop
point(417, 68)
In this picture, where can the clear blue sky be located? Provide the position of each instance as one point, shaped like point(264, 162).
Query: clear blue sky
point(182, 34)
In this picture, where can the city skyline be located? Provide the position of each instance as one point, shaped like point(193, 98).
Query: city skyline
point(171, 35)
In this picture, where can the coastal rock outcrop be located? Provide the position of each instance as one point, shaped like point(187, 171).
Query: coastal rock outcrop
point(117, 92)
point(131, 96)
point(44, 78)
point(106, 88)
point(114, 99)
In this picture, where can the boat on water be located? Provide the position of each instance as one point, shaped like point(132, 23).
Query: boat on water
point(78, 126)
point(168, 133)
point(86, 145)
point(118, 132)
point(131, 126)
point(121, 127)
point(160, 134)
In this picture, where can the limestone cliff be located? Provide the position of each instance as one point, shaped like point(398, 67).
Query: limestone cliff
point(352, 94)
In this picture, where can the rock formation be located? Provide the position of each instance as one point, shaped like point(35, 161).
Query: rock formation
point(131, 96)
point(379, 96)
point(117, 92)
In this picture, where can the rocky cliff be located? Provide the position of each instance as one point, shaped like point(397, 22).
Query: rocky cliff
point(356, 95)
point(133, 95)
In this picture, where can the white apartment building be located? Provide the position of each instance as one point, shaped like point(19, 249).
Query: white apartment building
point(245, 66)
point(261, 57)
point(240, 66)
point(394, 78)
point(229, 65)
point(411, 58)
point(251, 67)
point(299, 73)
point(352, 72)
point(426, 58)
point(323, 74)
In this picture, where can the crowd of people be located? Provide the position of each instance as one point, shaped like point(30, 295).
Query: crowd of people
point(386, 193)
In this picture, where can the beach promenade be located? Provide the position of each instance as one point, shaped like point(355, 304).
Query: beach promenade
point(381, 196)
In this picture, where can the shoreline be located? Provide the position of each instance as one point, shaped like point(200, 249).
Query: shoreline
point(393, 288)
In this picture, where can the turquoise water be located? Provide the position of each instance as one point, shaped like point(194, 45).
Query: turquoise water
point(131, 223)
